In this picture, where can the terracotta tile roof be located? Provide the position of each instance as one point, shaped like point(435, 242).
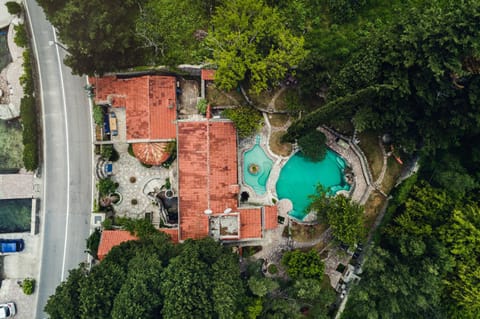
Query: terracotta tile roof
point(173, 232)
point(271, 217)
point(207, 164)
point(208, 75)
point(151, 153)
point(150, 103)
point(192, 179)
point(112, 238)
point(250, 223)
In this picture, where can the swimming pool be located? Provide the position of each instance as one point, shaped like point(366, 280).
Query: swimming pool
point(256, 168)
point(299, 178)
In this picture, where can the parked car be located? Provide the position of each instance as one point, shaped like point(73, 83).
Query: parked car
point(11, 246)
point(7, 310)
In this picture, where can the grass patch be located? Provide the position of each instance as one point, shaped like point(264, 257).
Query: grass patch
point(371, 149)
point(303, 233)
point(373, 206)
point(261, 100)
point(281, 101)
point(217, 97)
point(394, 169)
point(277, 147)
point(278, 120)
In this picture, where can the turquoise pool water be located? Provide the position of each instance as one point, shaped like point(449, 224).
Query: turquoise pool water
point(256, 168)
point(299, 178)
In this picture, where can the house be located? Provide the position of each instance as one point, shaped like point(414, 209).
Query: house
point(207, 155)
point(208, 185)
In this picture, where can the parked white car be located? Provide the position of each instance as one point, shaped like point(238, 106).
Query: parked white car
point(7, 310)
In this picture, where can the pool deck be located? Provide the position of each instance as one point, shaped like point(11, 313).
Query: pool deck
point(362, 184)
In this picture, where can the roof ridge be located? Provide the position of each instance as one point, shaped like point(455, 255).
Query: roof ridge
point(208, 164)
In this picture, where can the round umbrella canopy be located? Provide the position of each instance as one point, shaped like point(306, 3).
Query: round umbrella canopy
point(151, 153)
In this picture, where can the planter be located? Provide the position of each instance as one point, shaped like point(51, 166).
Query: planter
point(169, 193)
point(117, 198)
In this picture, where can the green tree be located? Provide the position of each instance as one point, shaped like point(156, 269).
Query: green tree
point(247, 120)
point(261, 286)
point(108, 42)
point(65, 302)
point(251, 43)
point(13, 7)
point(303, 265)
point(313, 145)
point(140, 294)
point(170, 35)
point(345, 217)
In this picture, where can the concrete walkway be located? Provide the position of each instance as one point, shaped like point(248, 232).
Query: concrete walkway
point(10, 75)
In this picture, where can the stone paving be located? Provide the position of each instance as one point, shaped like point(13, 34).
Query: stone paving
point(127, 168)
point(10, 76)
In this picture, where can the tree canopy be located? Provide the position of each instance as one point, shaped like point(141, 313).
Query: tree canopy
point(250, 42)
point(345, 217)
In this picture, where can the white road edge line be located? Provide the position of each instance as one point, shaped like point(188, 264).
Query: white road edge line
point(92, 150)
point(44, 173)
point(68, 153)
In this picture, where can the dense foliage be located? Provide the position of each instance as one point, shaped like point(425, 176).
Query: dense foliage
point(247, 120)
point(28, 108)
point(251, 42)
point(345, 217)
point(312, 145)
point(427, 262)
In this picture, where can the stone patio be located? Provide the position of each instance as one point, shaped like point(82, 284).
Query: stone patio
point(146, 179)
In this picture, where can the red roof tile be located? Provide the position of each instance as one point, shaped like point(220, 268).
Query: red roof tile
point(112, 238)
point(208, 75)
point(172, 232)
point(192, 179)
point(271, 217)
point(151, 153)
point(150, 103)
point(250, 223)
point(207, 164)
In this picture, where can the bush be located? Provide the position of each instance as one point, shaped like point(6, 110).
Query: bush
point(247, 120)
point(106, 151)
point(272, 269)
point(313, 145)
point(106, 186)
point(130, 150)
point(92, 243)
point(28, 286)
point(202, 106)
point(14, 7)
point(30, 159)
point(21, 36)
point(98, 115)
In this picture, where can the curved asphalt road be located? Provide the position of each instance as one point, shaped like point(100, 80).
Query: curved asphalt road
point(67, 168)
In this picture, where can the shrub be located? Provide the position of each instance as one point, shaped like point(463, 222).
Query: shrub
point(202, 106)
point(303, 265)
point(92, 243)
point(98, 115)
point(130, 150)
point(28, 286)
point(247, 120)
point(14, 7)
point(106, 186)
point(272, 269)
point(313, 145)
point(106, 151)
point(21, 36)
point(30, 159)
